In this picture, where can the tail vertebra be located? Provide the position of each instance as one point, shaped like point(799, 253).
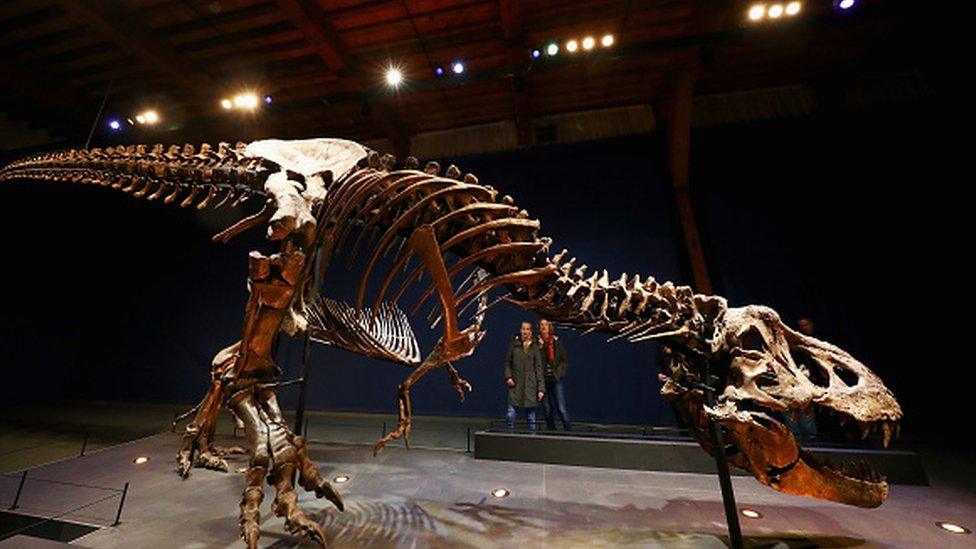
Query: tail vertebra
point(219, 176)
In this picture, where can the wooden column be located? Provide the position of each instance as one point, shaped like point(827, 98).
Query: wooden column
point(678, 113)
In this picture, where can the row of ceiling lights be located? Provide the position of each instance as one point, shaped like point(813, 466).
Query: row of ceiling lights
point(246, 101)
point(759, 12)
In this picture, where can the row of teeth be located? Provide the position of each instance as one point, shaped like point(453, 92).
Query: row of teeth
point(861, 470)
point(889, 430)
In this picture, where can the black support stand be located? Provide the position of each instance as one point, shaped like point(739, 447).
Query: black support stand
point(724, 479)
point(300, 412)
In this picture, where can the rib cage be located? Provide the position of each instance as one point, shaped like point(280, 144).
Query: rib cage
point(481, 230)
point(218, 176)
point(388, 337)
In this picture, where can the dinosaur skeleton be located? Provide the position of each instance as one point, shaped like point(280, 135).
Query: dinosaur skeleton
point(324, 197)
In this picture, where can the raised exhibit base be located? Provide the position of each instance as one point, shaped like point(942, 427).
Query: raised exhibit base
point(676, 456)
point(438, 498)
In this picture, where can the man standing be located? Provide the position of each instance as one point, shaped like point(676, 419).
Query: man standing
point(523, 375)
point(553, 356)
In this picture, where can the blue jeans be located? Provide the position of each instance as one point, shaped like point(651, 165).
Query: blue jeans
point(529, 415)
point(555, 403)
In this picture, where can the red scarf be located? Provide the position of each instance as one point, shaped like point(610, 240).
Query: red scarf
point(547, 342)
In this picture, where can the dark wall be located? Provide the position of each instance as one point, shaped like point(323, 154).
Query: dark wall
point(129, 300)
point(855, 219)
point(852, 218)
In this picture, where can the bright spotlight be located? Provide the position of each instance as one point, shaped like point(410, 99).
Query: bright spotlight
point(226, 103)
point(572, 46)
point(141, 118)
point(953, 527)
point(775, 11)
point(588, 43)
point(393, 77)
point(151, 117)
point(846, 4)
point(552, 49)
point(246, 101)
point(439, 70)
point(341, 478)
point(268, 99)
point(140, 460)
point(607, 40)
point(792, 8)
point(457, 67)
point(536, 53)
point(757, 12)
point(500, 493)
point(114, 124)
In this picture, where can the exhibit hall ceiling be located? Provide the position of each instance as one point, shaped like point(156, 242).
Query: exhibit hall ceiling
point(393, 69)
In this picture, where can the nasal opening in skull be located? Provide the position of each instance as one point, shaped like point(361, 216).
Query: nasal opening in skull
point(848, 377)
point(751, 340)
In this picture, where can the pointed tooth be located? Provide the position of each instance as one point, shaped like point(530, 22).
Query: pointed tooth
point(865, 429)
point(886, 431)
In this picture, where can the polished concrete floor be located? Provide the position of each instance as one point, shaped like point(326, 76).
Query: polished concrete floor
point(437, 495)
point(441, 498)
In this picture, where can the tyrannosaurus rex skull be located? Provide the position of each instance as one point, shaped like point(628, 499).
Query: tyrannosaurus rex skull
point(774, 370)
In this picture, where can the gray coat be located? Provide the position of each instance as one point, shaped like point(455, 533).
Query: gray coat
point(525, 367)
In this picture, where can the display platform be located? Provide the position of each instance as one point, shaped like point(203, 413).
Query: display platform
point(441, 498)
point(676, 456)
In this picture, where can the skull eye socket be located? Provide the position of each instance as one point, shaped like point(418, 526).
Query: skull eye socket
point(848, 377)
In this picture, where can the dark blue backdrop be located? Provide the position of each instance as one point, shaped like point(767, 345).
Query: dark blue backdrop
point(141, 299)
point(842, 217)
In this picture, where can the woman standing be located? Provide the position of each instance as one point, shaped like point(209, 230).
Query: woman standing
point(553, 356)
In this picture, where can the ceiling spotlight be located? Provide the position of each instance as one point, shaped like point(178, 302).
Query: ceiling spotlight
point(268, 100)
point(341, 478)
point(114, 124)
point(572, 46)
point(141, 118)
point(226, 103)
point(792, 8)
point(150, 117)
point(536, 53)
point(500, 493)
point(140, 460)
point(457, 67)
point(552, 49)
point(846, 4)
point(751, 513)
point(775, 11)
point(953, 527)
point(757, 12)
point(588, 43)
point(246, 101)
point(607, 40)
point(393, 77)
point(439, 70)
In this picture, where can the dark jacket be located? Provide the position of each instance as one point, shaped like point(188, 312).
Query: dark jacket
point(525, 367)
point(558, 366)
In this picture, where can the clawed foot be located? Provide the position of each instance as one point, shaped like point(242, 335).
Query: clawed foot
point(402, 431)
point(208, 460)
point(295, 520)
point(460, 384)
point(224, 451)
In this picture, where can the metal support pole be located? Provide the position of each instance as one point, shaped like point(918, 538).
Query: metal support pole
point(20, 488)
point(84, 445)
point(118, 515)
point(724, 479)
point(300, 412)
point(383, 432)
point(468, 429)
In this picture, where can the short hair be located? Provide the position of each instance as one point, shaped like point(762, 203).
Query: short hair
point(529, 322)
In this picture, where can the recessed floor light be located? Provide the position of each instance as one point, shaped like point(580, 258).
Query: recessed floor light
point(341, 478)
point(751, 513)
point(140, 460)
point(500, 492)
point(953, 527)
